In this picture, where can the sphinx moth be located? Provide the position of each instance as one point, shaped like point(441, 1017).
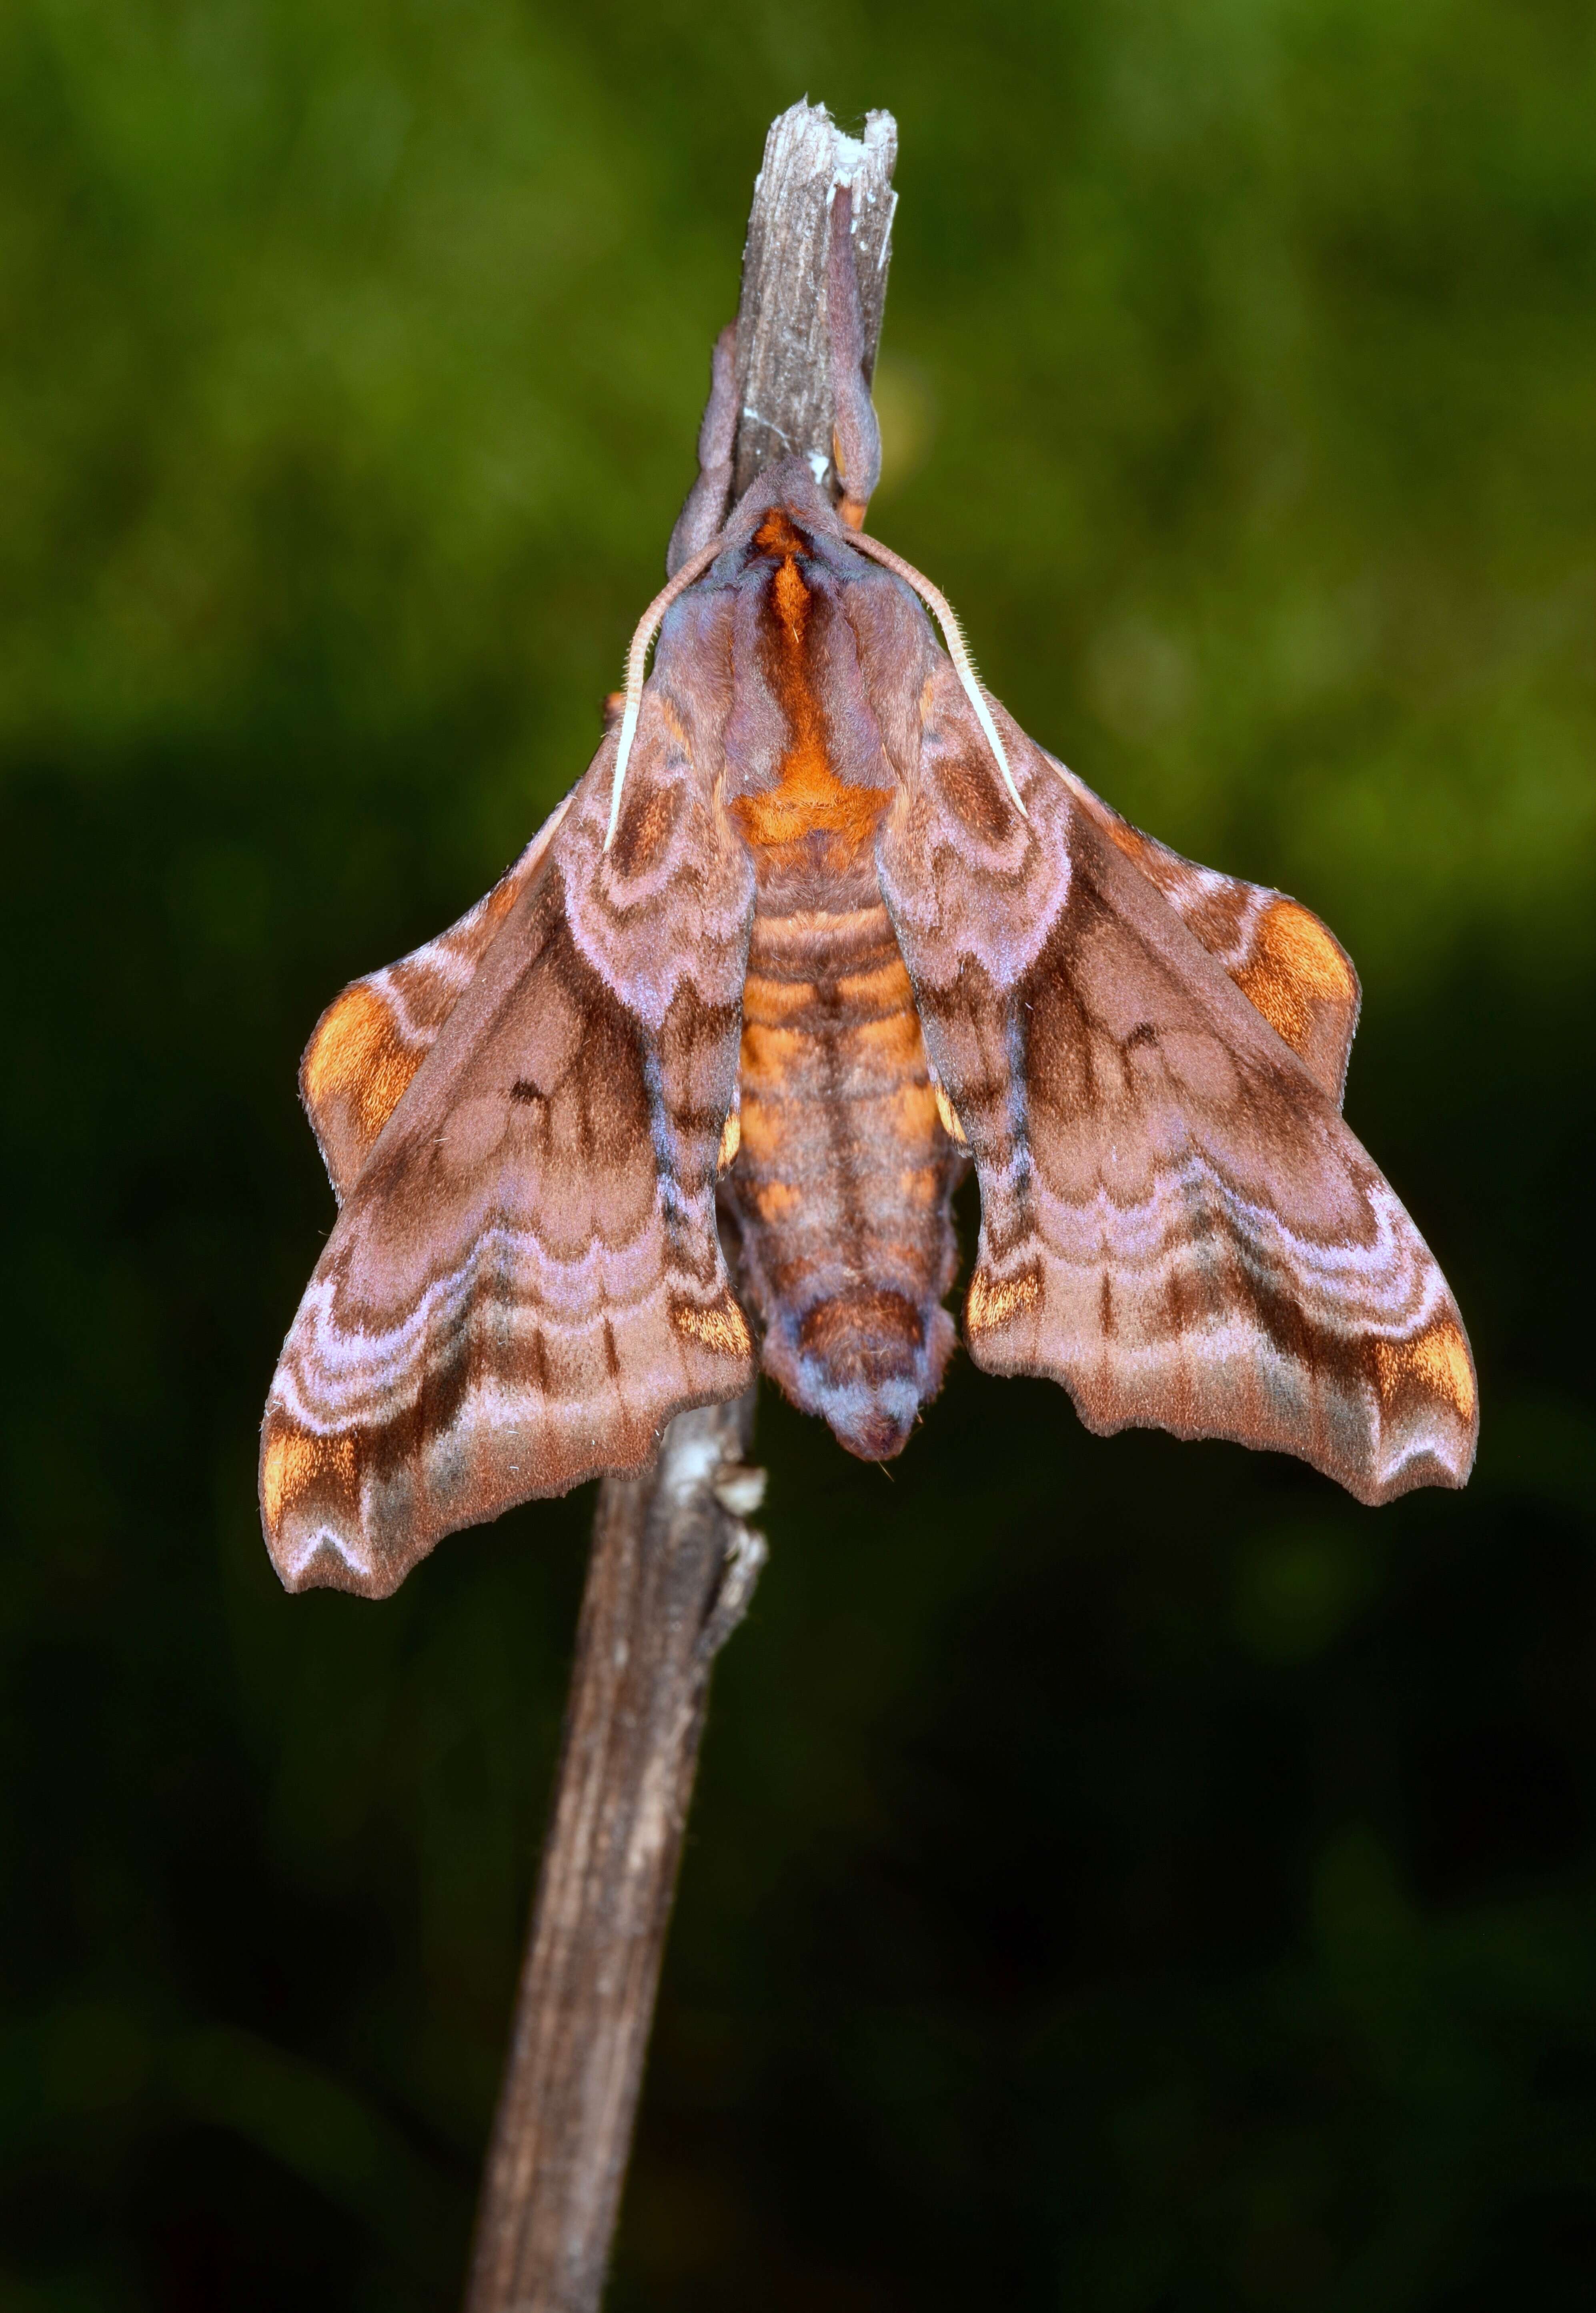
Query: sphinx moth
point(819, 928)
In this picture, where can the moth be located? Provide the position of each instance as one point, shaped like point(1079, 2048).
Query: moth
point(820, 929)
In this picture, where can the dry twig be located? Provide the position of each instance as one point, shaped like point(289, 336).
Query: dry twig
point(673, 1564)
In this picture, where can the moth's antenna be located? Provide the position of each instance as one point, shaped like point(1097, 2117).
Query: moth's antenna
point(964, 665)
point(637, 659)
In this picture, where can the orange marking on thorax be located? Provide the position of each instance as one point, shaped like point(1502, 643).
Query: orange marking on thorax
point(808, 798)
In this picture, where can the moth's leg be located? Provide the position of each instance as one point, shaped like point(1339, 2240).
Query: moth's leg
point(856, 438)
point(707, 504)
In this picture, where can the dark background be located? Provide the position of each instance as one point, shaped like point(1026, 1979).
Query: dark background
point(1126, 1877)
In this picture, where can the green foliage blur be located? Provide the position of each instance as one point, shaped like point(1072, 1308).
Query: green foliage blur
point(1126, 1877)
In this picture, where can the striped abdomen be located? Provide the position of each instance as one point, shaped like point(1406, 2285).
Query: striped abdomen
point(843, 1178)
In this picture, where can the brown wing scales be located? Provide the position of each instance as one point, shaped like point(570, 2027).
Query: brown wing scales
point(1175, 1223)
point(525, 1280)
point(367, 1047)
point(1289, 965)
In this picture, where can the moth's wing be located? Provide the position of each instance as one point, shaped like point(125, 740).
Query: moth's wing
point(1176, 1222)
point(370, 1041)
point(525, 1281)
point(1288, 965)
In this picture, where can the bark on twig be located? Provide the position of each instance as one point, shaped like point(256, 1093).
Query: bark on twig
point(673, 1564)
point(783, 347)
point(672, 1570)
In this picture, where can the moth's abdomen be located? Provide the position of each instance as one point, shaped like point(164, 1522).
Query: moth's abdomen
point(843, 1178)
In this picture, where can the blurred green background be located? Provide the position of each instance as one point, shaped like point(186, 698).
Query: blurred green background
point(1126, 1877)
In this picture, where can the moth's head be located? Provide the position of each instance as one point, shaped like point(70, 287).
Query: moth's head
point(789, 484)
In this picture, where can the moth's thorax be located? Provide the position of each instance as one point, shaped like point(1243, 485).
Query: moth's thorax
point(807, 777)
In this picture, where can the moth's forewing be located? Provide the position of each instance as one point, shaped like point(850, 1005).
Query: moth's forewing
point(1289, 965)
point(365, 1048)
point(1175, 1223)
point(525, 1280)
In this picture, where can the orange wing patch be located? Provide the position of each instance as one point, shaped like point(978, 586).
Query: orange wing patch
point(357, 1069)
point(1288, 965)
point(295, 1462)
point(1139, 849)
point(368, 1044)
point(1299, 978)
point(1436, 1362)
point(996, 1302)
point(949, 1122)
point(722, 1327)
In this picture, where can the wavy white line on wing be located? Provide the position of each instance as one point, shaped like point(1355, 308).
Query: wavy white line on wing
point(1157, 1230)
point(347, 1369)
